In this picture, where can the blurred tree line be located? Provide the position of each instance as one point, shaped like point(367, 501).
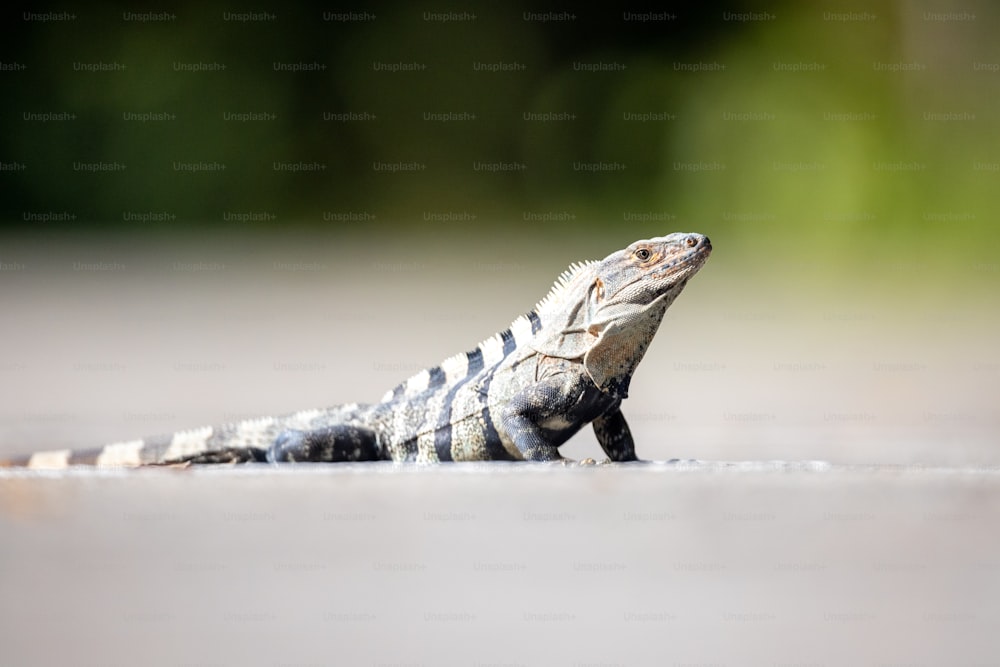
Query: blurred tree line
point(790, 123)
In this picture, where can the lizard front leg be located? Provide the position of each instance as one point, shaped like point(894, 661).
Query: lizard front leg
point(540, 418)
point(615, 437)
point(528, 439)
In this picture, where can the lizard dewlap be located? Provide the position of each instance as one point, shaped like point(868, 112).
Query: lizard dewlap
point(518, 395)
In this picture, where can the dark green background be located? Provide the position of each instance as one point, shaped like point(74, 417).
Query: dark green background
point(796, 178)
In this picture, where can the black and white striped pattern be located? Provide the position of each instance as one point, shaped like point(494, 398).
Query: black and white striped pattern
point(493, 350)
point(440, 414)
point(252, 433)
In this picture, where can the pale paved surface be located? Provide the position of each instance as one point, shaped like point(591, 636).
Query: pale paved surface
point(756, 564)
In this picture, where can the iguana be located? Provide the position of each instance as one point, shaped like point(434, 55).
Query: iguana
point(518, 395)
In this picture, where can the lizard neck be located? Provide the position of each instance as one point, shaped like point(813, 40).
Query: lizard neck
point(618, 349)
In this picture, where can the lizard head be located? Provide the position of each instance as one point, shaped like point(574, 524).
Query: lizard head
point(645, 275)
point(627, 300)
point(613, 307)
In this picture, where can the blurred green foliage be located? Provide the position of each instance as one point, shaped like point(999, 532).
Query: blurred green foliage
point(835, 130)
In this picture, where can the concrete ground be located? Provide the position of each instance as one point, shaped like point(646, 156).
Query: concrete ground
point(684, 564)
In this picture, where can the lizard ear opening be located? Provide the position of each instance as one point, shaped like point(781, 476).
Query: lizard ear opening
point(597, 291)
point(595, 297)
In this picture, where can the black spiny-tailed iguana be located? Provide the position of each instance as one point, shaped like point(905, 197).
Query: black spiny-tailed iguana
point(518, 395)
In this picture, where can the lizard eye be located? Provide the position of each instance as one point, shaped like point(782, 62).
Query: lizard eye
point(642, 254)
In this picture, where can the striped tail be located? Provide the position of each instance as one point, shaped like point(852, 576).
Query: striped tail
point(16, 462)
point(110, 456)
point(117, 455)
point(232, 443)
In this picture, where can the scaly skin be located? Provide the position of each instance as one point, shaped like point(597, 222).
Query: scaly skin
point(518, 395)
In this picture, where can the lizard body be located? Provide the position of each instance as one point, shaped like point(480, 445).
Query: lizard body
point(518, 395)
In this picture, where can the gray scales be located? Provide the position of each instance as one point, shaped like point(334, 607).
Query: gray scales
point(518, 395)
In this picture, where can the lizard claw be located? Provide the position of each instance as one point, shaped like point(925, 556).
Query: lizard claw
point(562, 461)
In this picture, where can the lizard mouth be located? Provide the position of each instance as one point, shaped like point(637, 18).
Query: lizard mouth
point(686, 263)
